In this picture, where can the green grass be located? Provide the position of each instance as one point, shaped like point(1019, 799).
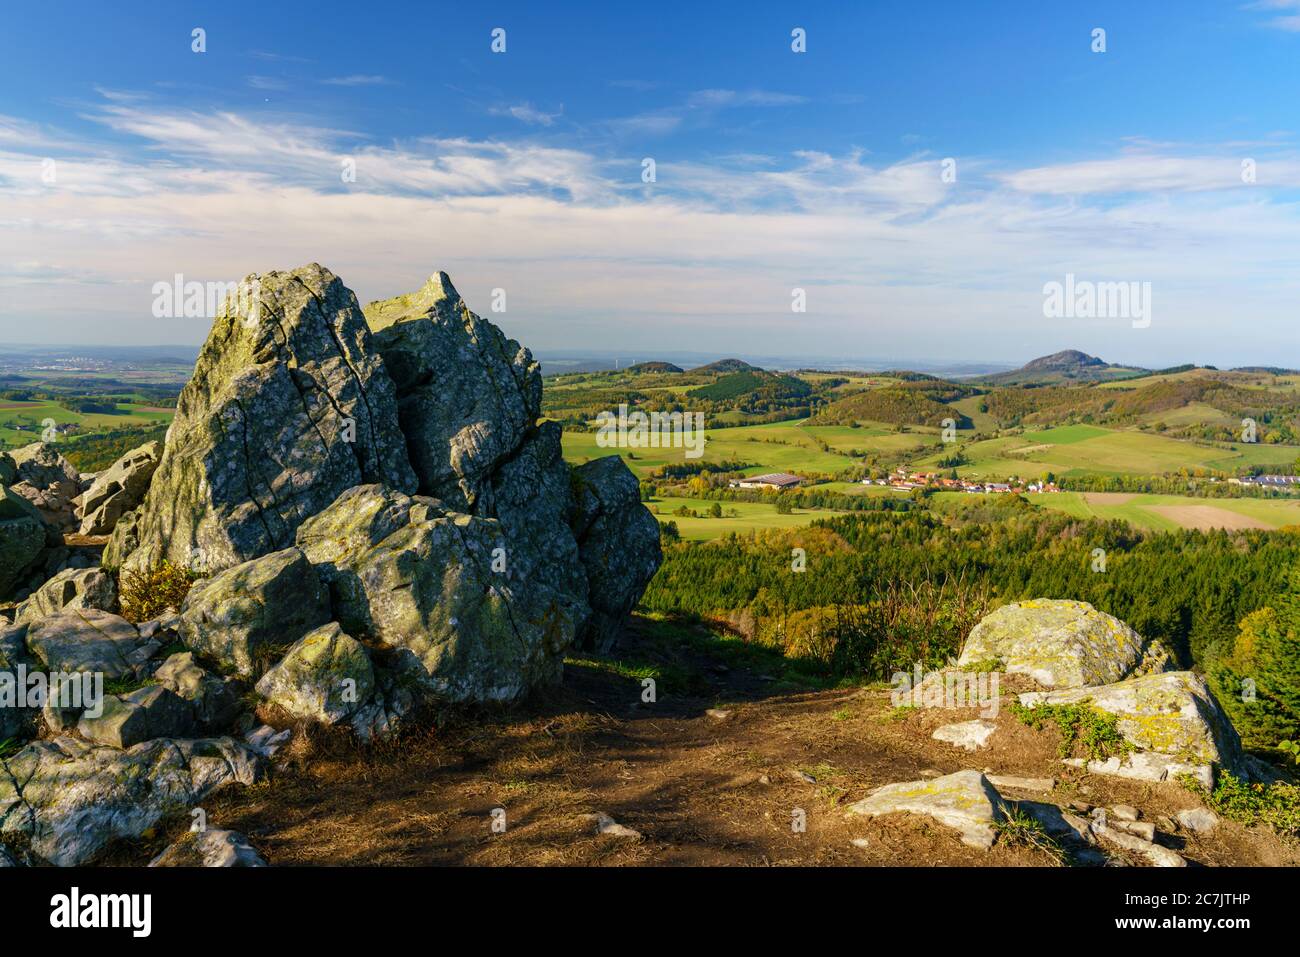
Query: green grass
point(1082, 728)
point(30, 415)
point(751, 516)
point(1137, 511)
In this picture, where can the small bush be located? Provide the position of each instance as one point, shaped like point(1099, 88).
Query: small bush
point(145, 596)
point(1273, 805)
point(1082, 728)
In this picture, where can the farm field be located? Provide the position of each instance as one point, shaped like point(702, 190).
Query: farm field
point(1080, 449)
point(20, 422)
point(1167, 512)
point(751, 516)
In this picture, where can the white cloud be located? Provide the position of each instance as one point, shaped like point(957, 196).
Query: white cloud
point(527, 113)
point(358, 79)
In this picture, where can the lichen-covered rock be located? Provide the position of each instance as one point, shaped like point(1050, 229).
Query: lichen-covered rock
point(118, 489)
point(69, 589)
point(326, 677)
point(141, 715)
point(213, 700)
point(16, 723)
point(244, 616)
point(47, 480)
point(289, 406)
point(1062, 644)
point(407, 573)
point(964, 801)
point(69, 799)
point(1172, 718)
point(466, 394)
point(87, 639)
point(22, 539)
point(970, 735)
point(618, 540)
point(210, 848)
point(8, 469)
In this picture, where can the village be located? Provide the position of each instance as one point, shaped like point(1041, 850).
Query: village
point(903, 481)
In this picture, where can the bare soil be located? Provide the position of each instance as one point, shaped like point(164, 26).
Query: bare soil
point(700, 789)
point(1206, 517)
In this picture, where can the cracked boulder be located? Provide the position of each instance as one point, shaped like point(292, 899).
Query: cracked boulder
point(289, 406)
point(22, 539)
point(1172, 719)
point(47, 480)
point(466, 395)
point(70, 589)
point(1062, 644)
point(325, 677)
point(118, 489)
point(406, 573)
point(964, 801)
point(141, 715)
point(243, 617)
point(87, 639)
point(618, 541)
point(68, 799)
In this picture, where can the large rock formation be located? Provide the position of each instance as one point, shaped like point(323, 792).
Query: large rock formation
point(1062, 644)
point(69, 589)
point(288, 407)
point(466, 394)
point(118, 489)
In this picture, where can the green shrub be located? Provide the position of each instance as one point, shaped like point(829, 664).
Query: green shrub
point(1085, 731)
point(145, 596)
point(1276, 806)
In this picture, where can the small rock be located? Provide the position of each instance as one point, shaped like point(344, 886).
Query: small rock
point(1124, 812)
point(971, 735)
point(1143, 829)
point(802, 776)
point(964, 801)
point(211, 848)
point(1197, 820)
point(860, 842)
point(764, 779)
point(1157, 855)
point(718, 714)
point(1083, 807)
point(265, 740)
point(931, 773)
point(607, 825)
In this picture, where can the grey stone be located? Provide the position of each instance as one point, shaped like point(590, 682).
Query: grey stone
point(47, 481)
point(289, 406)
point(140, 715)
point(22, 539)
point(118, 489)
point(466, 395)
point(210, 848)
point(1197, 820)
point(325, 677)
point(214, 700)
point(1062, 644)
point(964, 801)
point(970, 735)
point(87, 639)
point(69, 799)
point(69, 589)
point(618, 540)
point(244, 616)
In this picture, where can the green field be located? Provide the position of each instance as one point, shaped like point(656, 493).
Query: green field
point(1164, 512)
point(21, 422)
point(750, 516)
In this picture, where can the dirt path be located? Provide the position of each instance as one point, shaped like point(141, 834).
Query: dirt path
point(701, 790)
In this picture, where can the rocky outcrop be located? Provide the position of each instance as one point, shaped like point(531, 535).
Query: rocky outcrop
point(68, 590)
point(141, 715)
point(618, 541)
point(1062, 644)
point(466, 394)
point(289, 406)
point(15, 723)
point(410, 574)
point(210, 848)
point(245, 616)
point(118, 489)
point(325, 677)
point(1172, 719)
point(67, 799)
point(47, 480)
point(22, 539)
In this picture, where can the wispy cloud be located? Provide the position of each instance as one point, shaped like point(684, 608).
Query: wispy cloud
point(358, 79)
point(1285, 13)
point(527, 113)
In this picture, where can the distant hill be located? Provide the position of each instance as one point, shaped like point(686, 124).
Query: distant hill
point(918, 402)
point(649, 367)
point(723, 366)
point(1069, 365)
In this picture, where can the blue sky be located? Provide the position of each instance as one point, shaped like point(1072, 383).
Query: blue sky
point(775, 170)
